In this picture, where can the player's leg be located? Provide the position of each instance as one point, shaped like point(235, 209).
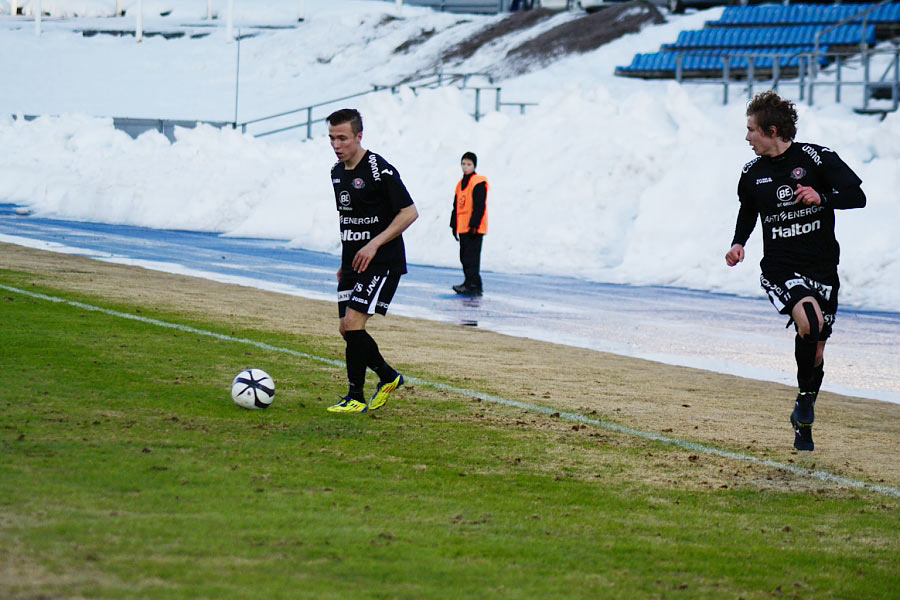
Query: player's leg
point(810, 324)
point(813, 317)
point(362, 352)
point(351, 322)
point(388, 377)
point(369, 294)
point(790, 295)
point(356, 352)
point(808, 319)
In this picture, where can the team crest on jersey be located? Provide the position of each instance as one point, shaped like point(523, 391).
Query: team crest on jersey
point(798, 173)
point(359, 183)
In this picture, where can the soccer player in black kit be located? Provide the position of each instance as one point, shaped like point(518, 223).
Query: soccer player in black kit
point(794, 188)
point(374, 209)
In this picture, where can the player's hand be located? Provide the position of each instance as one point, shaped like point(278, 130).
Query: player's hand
point(735, 255)
point(340, 272)
point(364, 257)
point(807, 195)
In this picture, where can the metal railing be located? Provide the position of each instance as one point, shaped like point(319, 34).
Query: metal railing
point(461, 6)
point(135, 127)
point(863, 46)
point(315, 115)
point(805, 77)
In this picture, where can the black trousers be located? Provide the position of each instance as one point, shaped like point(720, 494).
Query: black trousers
point(470, 257)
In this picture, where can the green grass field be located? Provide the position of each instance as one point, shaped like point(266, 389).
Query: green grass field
point(127, 472)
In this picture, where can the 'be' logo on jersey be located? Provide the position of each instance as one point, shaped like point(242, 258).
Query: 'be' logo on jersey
point(784, 193)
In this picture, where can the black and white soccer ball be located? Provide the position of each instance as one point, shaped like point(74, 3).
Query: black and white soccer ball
point(253, 388)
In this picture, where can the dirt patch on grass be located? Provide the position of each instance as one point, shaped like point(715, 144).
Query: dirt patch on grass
point(856, 438)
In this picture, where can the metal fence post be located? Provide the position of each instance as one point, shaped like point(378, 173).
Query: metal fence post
point(776, 71)
point(237, 78)
point(895, 93)
point(837, 80)
point(726, 75)
point(309, 123)
point(865, 80)
point(679, 65)
point(497, 106)
point(477, 104)
point(139, 22)
point(801, 77)
point(813, 65)
point(751, 64)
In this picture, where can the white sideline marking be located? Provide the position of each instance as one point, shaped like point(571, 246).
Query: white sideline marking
point(569, 416)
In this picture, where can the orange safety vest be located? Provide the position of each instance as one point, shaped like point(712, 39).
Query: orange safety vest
point(464, 204)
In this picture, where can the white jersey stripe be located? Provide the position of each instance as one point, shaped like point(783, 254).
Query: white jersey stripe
point(373, 303)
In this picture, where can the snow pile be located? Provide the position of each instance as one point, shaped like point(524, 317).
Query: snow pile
point(607, 179)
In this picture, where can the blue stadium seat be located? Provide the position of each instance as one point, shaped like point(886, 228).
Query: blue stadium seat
point(763, 30)
point(804, 14)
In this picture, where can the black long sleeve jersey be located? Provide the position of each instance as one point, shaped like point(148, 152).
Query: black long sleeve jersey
point(368, 198)
point(796, 236)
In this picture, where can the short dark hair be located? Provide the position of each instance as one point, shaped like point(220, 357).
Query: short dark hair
point(769, 109)
point(471, 156)
point(346, 115)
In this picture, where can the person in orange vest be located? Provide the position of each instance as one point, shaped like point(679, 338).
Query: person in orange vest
point(468, 221)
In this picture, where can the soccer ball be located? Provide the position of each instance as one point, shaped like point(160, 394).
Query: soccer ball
point(253, 388)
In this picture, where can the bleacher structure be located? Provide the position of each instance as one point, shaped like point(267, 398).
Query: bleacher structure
point(778, 41)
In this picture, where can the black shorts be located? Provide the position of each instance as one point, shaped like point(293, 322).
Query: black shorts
point(786, 288)
point(369, 292)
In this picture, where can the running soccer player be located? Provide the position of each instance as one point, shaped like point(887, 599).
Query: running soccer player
point(374, 209)
point(794, 188)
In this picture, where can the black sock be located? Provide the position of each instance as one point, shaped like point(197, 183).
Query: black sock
point(818, 376)
point(356, 355)
point(377, 363)
point(805, 353)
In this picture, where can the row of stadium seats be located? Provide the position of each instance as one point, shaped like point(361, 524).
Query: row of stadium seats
point(804, 14)
point(767, 29)
point(742, 37)
point(714, 60)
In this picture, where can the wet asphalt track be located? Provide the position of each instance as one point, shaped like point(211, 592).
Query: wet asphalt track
point(719, 332)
